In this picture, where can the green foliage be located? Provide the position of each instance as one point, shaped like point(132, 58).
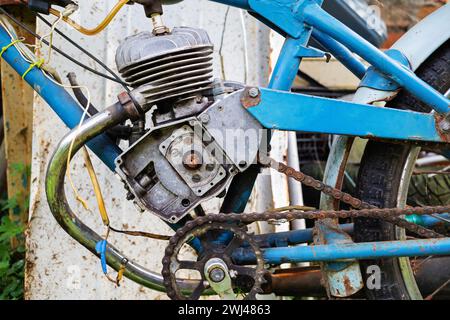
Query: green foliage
point(12, 258)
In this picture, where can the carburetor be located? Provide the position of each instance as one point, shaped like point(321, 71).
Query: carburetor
point(182, 160)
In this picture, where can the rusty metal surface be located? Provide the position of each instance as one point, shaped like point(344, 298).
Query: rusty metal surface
point(445, 136)
point(247, 100)
point(17, 103)
point(304, 282)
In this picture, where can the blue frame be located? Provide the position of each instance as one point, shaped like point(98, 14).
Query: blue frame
point(298, 21)
point(316, 114)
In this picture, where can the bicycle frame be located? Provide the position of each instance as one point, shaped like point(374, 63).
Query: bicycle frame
point(298, 21)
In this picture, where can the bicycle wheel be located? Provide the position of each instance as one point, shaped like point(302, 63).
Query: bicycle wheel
point(385, 180)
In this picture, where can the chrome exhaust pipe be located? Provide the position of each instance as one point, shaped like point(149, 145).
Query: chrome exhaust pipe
point(59, 206)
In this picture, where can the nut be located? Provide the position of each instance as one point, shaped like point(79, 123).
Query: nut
point(217, 274)
point(204, 118)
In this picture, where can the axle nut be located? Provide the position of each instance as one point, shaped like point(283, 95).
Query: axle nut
point(217, 274)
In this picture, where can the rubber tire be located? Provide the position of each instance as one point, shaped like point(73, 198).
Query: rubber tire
point(432, 191)
point(379, 178)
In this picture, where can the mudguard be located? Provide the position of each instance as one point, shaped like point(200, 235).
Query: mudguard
point(417, 45)
point(426, 37)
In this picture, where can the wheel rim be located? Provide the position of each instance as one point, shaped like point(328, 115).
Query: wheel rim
point(404, 262)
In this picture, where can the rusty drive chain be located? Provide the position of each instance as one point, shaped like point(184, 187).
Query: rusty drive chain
point(356, 203)
point(361, 210)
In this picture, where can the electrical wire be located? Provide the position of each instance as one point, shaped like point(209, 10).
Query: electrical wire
point(20, 24)
point(142, 234)
point(100, 27)
point(87, 159)
point(50, 34)
point(79, 47)
point(30, 58)
point(87, 53)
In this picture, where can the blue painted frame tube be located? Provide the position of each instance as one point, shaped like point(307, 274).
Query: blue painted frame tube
point(317, 114)
point(315, 16)
point(284, 239)
point(358, 251)
point(59, 100)
point(341, 53)
point(288, 62)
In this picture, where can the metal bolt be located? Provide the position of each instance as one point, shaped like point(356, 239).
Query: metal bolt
point(217, 274)
point(204, 118)
point(253, 92)
point(192, 160)
point(444, 125)
point(175, 153)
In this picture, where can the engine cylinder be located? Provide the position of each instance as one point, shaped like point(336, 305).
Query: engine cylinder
point(171, 67)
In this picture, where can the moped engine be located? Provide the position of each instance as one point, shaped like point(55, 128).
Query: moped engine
point(185, 157)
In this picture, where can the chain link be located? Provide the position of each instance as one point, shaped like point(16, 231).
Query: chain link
point(361, 210)
point(393, 215)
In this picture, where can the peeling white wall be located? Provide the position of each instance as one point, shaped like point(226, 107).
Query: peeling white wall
point(58, 267)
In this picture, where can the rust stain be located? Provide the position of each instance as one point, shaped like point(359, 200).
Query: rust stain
point(247, 101)
point(444, 136)
point(348, 286)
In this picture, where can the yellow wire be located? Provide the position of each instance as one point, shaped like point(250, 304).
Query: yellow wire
point(120, 274)
point(69, 156)
point(100, 27)
point(50, 34)
point(96, 186)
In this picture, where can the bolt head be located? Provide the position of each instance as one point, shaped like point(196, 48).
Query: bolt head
point(217, 274)
point(192, 160)
point(444, 125)
point(204, 118)
point(253, 92)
